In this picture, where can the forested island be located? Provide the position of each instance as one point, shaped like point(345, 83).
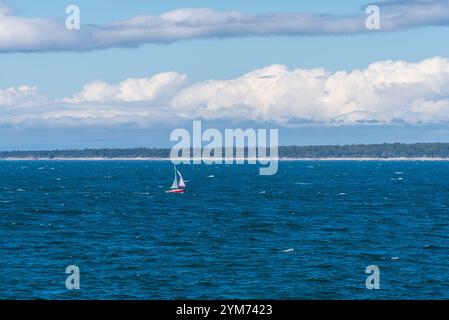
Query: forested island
point(380, 151)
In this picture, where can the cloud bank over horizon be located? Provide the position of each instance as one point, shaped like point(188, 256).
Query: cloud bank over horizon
point(20, 34)
point(385, 92)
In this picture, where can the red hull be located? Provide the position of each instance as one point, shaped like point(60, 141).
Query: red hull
point(176, 191)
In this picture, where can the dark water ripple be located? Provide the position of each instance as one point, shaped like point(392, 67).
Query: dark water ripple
point(307, 233)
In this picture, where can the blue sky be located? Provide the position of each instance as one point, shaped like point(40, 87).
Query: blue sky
point(210, 58)
point(60, 74)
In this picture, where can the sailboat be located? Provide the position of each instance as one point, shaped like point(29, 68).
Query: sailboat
point(177, 187)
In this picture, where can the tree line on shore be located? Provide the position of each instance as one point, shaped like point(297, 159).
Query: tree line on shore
point(381, 151)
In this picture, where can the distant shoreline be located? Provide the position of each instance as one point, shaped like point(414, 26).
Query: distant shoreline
point(373, 152)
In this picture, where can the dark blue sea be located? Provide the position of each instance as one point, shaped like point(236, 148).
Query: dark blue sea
point(308, 232)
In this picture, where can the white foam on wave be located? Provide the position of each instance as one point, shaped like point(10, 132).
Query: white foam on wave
point(288, 250)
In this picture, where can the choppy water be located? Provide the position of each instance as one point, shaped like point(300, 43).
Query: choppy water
point(307, 233)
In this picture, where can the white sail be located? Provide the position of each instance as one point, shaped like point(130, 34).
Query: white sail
point(175, 182)
point(181, 181)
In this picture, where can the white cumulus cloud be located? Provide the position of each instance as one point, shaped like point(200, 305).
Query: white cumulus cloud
point(23, 96)
point(159, 86)
point(383, 92)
